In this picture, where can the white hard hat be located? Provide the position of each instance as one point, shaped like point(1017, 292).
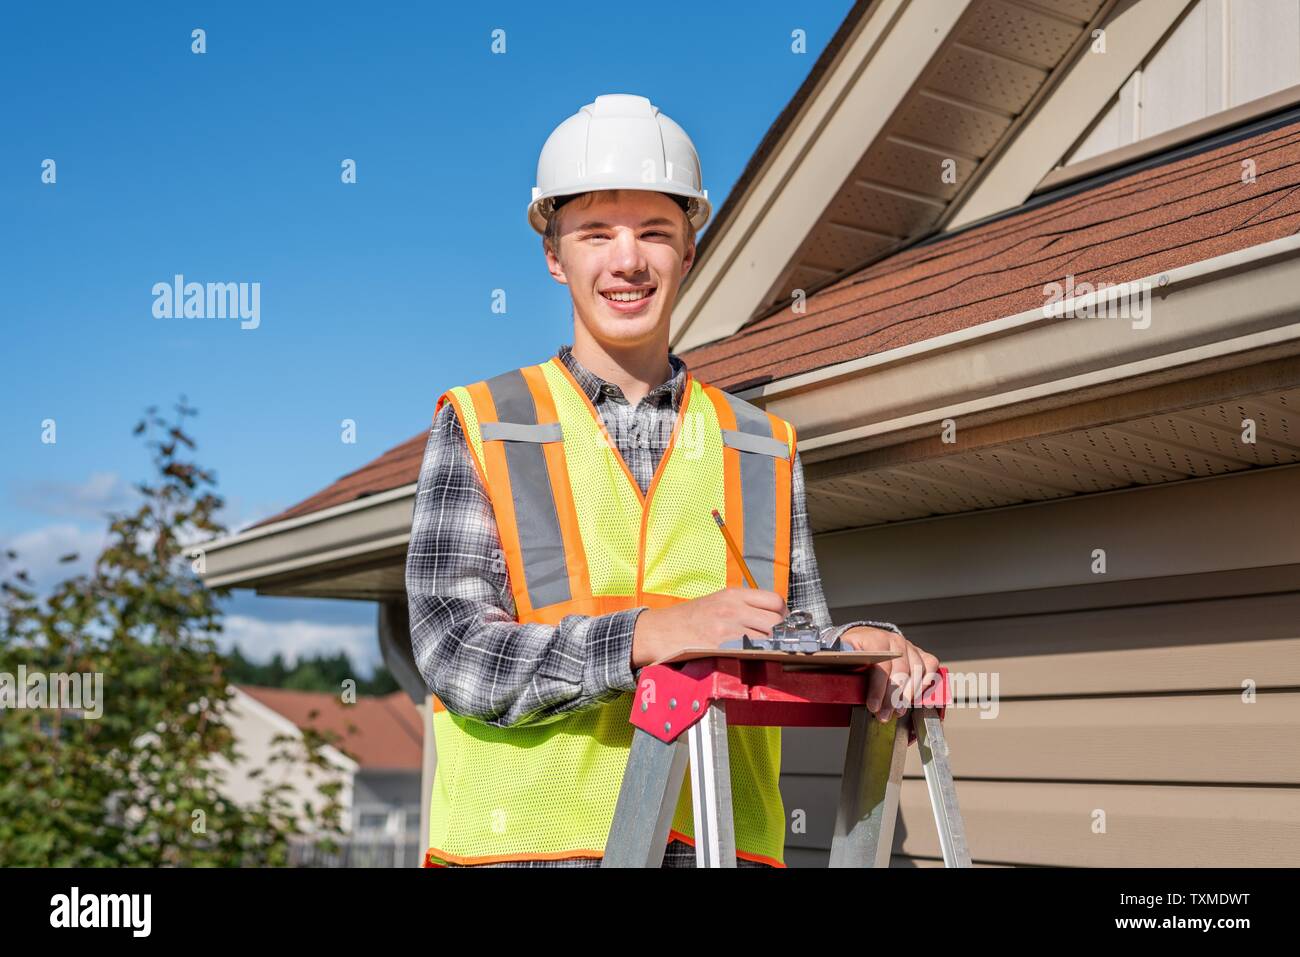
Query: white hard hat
point(620, 141)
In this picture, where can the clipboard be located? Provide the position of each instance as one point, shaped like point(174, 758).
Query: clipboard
point(793, 660)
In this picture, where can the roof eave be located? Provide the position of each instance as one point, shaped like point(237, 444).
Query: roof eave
point(286, 555)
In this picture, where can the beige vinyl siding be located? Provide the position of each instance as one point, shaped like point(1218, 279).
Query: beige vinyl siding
point(1123, 698)
point(1222, 54)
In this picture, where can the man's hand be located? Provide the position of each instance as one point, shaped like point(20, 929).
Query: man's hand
point(705, 622)
point(904, 677)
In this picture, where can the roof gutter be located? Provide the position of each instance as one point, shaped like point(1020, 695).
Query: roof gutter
point(342, 535)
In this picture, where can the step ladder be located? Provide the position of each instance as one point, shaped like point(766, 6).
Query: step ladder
point(681, 712)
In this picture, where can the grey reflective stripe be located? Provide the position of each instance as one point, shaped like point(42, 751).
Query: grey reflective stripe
point(753, 438)
point(515, 432)
point(748, 442)
point(546, 573)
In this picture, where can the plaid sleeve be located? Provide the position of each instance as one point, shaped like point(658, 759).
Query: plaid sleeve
point(805, 579)
point(472, 653)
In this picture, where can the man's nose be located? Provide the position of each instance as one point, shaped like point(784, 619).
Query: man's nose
point(625, 256)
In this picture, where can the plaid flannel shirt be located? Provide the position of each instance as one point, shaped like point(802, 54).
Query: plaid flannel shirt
point(473, 654)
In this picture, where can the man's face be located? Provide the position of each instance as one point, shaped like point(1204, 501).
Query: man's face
point(623, 254)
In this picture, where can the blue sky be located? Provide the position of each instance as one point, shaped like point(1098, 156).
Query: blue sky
point(375, 296)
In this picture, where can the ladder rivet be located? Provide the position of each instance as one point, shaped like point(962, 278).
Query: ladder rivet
point(695, 706)
point(668, 725)
point(644, 706)
point(672, 702)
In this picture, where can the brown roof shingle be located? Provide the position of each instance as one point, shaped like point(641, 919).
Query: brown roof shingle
point(398, 466)
point(1135, 226)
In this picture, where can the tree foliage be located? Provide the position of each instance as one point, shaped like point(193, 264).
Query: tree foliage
point(141, 784)
point(320, 673)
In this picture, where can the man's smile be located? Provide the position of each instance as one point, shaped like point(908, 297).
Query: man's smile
point(628, 299)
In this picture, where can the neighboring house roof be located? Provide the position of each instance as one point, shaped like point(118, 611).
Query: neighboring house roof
point(380, 733)
point(1122, 229)
point(1134, 226)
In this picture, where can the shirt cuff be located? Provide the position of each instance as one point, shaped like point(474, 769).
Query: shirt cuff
point(609, 653)
point(833, 633)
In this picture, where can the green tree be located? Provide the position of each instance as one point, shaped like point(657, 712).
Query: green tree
point(321, 673)
point(308, 677)
point(140, 785)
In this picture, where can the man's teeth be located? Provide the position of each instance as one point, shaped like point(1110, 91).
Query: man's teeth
point(628, 296)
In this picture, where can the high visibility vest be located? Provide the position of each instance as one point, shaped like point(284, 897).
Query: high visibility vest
point(580, 538)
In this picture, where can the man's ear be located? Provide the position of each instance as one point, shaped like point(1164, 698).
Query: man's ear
point(688, 258)
point(553, 264)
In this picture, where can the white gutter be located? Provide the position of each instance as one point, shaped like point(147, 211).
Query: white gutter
point(342, 535)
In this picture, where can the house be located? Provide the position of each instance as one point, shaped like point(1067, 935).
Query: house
point(376, 746)
point(1025, 275)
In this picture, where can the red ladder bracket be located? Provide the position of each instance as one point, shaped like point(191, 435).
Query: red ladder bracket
point(669, 699)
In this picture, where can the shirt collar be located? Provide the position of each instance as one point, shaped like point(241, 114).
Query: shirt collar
point(595, 386)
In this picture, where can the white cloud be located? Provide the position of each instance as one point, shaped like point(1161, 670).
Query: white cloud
point(105, 492)
point(100, 493)
point(40, 549)
point(259, 640)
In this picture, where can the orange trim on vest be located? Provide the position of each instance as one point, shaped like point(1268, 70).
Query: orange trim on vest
point(598, 605)
point(760, 858)
point(501, 858)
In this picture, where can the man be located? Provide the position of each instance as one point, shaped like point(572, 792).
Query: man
point(563, 537)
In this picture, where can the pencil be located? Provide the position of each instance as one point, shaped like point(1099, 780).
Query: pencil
point(731, 544)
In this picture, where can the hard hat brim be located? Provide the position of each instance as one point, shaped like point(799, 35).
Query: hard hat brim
point(539, 210)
